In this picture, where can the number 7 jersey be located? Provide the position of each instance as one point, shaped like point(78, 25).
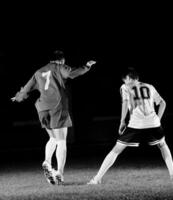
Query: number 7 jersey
point(50, 83)
point(141, 98)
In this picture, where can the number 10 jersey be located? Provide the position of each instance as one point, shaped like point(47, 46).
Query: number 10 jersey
point(142, 98)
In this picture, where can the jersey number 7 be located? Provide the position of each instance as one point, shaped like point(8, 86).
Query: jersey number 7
point(46, 75)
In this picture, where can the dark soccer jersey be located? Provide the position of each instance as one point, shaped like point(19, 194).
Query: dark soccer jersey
point(51, 85)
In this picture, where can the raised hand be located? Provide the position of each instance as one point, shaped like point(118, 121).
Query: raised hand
point(90, 63)
point(13, 99)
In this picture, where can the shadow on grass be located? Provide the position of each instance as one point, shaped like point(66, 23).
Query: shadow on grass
point(72, 183)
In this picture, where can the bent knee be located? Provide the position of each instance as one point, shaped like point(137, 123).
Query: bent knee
point(62, 144)
point(118, 148)
point(162, 144)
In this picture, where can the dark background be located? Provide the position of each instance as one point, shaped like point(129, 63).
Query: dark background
point(116, 36)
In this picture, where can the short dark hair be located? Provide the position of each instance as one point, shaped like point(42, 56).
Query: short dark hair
point(57, 55)
point(131, 72)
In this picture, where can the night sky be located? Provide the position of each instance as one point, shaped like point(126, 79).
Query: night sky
point(114, 39)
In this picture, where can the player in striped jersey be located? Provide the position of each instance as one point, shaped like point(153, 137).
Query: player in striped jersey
point(139, 99)
point(52, 108)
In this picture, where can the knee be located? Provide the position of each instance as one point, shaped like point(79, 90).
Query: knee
point(62, 144)
point(118, 148)
point(162, 144)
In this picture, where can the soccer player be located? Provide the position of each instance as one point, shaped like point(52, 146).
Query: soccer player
point(139, 100)
point(52, 108)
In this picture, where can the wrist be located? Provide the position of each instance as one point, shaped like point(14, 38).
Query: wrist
point(87, 66)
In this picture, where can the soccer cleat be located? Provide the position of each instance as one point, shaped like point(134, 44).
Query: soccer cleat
point(48, 172)
point(93, 181)
point(59, 179)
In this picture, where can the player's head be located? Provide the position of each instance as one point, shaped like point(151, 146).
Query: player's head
point(130, 76)
point(65, 71)
point(58, 57)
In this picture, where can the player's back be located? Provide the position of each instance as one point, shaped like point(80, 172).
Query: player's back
point(141, 98)
point(49, 82)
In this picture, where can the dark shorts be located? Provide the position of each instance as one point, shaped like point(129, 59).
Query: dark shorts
point(133, 137)
point(54, 119)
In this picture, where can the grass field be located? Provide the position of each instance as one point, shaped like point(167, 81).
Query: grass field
point(137, 180)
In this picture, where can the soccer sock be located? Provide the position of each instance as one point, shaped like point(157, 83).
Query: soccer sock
point(166, 154)
point(61, 153)
point(49, 149)
point(107, 163)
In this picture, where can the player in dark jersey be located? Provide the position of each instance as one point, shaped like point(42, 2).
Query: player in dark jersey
point(52, 108)
point(139, 99)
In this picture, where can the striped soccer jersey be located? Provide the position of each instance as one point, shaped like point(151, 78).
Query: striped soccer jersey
point(141, 98)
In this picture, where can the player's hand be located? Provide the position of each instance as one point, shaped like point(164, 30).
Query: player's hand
point(122, 128)
point(90, 63)
point(13, 99)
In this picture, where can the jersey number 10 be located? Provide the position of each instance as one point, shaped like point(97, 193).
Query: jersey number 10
point(142, 93)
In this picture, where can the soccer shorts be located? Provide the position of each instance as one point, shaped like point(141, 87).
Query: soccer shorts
point(133, 137)
point(54, 119)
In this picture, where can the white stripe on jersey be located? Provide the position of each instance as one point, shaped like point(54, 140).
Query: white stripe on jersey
point(141, 98)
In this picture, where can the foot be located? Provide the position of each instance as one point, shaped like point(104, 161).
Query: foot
point(94, 181)
point(48, 172)
point(59, 179)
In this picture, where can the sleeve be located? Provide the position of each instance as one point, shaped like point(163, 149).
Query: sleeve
point(24, 91)
point(156, 96)
point(124, 93)
point(78, 72)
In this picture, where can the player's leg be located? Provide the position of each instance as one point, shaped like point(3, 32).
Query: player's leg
point(50, 147)
point(156, 137)
point(108, 162)
point(45, 120)
point(128, 138)
point(47, 164)
point(61, 151)
point(166, 154)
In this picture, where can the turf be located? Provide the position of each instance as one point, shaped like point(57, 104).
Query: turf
point(135, 181)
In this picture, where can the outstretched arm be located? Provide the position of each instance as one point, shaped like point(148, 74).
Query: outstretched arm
point(82, 70)
point(23, 93)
